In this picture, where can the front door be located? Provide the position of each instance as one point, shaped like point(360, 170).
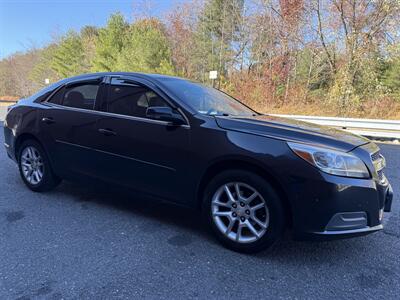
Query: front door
point(148, 155)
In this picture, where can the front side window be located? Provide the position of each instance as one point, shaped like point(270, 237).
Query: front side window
point(131, 99)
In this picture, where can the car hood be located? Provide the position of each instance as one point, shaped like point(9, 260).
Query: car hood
point(293, 130)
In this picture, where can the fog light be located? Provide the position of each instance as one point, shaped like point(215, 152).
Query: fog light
point(348, 221)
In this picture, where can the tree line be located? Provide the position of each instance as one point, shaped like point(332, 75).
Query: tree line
point(338, 57)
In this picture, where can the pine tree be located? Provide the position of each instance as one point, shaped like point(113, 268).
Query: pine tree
point(147, 49)
point(216, 32)
point(43, 69)
point(68, 57)
point(391, 77)
point(110, 43)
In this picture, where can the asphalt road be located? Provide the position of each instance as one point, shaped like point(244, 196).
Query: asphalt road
point(78, 243)
point(3, 112)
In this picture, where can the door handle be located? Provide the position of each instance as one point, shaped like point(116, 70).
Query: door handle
point(107, 132)
point(48, 120)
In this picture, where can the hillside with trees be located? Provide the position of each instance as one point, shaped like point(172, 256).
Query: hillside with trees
point(320, 57)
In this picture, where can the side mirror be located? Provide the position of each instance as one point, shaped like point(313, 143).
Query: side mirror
point(165, 113)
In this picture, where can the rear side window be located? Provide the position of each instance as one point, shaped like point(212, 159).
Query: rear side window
point(131, 99)
point(79, 96)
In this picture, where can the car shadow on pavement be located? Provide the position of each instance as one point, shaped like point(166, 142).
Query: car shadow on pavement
point(127, 201)
point(189, 221)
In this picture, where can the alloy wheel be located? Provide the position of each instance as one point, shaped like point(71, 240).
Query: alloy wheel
point(240, 212)
point(32, 165)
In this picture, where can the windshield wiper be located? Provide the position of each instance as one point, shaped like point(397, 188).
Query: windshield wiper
point(219, 114)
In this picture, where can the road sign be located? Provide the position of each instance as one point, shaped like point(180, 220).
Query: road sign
point(213, 74)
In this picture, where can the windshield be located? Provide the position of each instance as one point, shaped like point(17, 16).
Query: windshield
point(206, 100)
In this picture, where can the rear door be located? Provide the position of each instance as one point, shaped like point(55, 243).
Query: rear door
point(148, 155)
point(68, 126)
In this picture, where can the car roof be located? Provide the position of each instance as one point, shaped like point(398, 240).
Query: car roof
point(151, 77)
point(143, 75)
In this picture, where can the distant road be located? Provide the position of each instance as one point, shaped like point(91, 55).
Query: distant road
point(3, 111)
point(77, 242)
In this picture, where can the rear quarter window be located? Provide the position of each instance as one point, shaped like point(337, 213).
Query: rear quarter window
point(57, 97)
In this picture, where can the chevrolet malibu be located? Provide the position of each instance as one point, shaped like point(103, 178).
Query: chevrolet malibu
point(252, 176)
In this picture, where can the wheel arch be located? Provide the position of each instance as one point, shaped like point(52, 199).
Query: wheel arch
point(240, 164)
point(23, 137)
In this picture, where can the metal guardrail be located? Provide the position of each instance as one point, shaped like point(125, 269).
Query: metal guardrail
point(8, 101)
point(373, 128)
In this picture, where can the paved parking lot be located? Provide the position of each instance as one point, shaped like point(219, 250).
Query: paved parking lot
point(79, 242)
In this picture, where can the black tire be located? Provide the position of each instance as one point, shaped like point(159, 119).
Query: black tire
point(277, 222)
point(49, 180)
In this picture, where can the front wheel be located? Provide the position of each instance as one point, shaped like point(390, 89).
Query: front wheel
point(34, 167)
point(244, 211)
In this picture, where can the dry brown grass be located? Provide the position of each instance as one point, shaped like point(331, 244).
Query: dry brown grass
point(265, 97)
point(370, 110)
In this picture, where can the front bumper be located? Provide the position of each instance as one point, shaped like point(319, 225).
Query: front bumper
point(336, 209)
point(343, 234)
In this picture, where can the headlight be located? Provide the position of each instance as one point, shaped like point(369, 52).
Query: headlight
point(331, 161)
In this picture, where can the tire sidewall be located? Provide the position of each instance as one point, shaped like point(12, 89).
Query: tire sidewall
point(276, 213)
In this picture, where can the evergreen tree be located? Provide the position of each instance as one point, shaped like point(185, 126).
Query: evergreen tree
point(147, 49)
point(216, 32)
point(43, 69)
point(391, 76)
point(68, 56)
point(109, 44)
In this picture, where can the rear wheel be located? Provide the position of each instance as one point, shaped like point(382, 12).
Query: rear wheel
point(244, 211)
point(34, 167)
